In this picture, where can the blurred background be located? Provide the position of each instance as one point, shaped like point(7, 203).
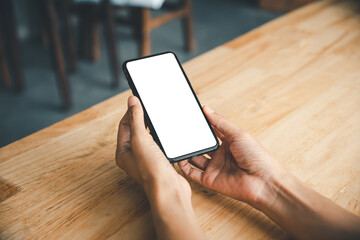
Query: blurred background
point(60, 57)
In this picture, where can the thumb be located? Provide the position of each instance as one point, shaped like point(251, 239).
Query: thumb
point(137, 124)
point(223, 125)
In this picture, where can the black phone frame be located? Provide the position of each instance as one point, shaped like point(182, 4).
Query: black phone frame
point(148, 120)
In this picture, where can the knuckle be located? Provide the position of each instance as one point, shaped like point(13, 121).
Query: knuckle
point(135, 141)
point(207, 180)
point(134, 112)
point(119, 162)
point(219, 117)
point(239, 136)
point(218, 120)
point(118, 157)
point(122, 121)
point(243, 134)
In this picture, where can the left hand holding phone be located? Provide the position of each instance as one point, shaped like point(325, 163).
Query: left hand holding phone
point(168, 192)
point(138, 154)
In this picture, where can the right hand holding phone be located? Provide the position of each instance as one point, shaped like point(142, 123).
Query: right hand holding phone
point(240, 168)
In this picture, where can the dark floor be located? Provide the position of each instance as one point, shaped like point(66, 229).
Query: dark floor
point(38, 106)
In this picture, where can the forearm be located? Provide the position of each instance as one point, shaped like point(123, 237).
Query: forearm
point(305, 213)
point(172, 213)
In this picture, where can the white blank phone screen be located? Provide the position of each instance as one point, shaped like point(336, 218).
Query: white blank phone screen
point(172, 108)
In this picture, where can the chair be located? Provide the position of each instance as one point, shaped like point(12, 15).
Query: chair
point(140, 20)
point(50, 21)
point(179, 10)
point(4, 68)
point(10, 63)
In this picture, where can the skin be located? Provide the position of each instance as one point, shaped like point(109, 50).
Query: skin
point(241, 169)
point(141, 158)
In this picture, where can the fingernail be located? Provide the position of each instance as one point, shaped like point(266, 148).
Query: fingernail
point(131, 101)
point(208, 109)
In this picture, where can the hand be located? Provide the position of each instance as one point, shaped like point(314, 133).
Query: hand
point(168, 192)
point(140, 157)
point(240, 168)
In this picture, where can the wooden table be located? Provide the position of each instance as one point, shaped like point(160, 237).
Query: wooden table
point(293, 83)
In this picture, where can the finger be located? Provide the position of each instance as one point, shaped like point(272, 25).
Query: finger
point(190, 172)
point(137, 124)
point(211, 154)
point(124, 131)
point(220, 123)
point(200, 162)
point(219, 134)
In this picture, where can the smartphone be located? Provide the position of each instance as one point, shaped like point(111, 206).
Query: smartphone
point(171, 109)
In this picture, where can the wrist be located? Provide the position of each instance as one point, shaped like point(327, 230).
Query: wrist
point(168, 191)
point(171, 209)
point(273, 186)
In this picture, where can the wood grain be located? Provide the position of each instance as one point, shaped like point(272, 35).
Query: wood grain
point(7, 189)
point(293, 83)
